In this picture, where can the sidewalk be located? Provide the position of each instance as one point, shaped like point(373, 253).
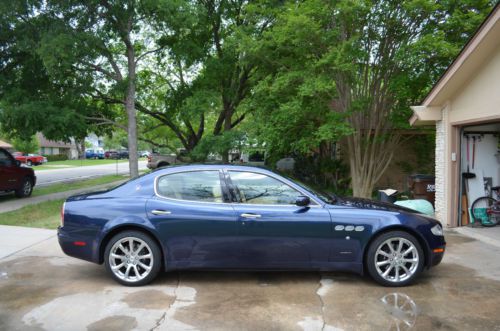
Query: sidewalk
point(19, 203)
point(487, 235)
point(14, 239)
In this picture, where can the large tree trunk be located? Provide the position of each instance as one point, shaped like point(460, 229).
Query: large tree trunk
point(133, 159)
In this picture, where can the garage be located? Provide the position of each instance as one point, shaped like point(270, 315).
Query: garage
point(480, 173)
point(464, 107)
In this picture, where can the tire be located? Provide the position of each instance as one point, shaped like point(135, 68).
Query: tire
point(387, 266)
point(480, 207)
point(26, 188)
point(29, 163)
point(137, 267)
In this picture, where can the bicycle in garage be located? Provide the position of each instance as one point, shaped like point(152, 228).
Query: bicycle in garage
point(486, 210)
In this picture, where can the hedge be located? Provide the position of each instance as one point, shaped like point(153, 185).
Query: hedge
point(56, 157)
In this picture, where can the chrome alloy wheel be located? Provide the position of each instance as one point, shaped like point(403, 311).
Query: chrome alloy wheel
point(131, 259)
point(396, 259)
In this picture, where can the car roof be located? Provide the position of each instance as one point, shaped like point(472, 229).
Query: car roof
point(201, 166)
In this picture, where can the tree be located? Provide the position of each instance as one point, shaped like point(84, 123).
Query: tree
point(360, 66)
point(30, 145)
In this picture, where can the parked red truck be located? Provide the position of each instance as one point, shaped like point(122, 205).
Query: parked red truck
point(14, 177)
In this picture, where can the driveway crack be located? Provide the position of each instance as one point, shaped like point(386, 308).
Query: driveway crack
point(320, 297)
point(166, 314)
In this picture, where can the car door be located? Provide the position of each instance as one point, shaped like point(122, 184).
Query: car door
point(197, 225)
point(9, 176)
point(274, 232)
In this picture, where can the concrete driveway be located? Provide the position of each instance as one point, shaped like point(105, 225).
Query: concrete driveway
point(41, 289)
point(47, 177)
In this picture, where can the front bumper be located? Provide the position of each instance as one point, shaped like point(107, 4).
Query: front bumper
point(437, 255)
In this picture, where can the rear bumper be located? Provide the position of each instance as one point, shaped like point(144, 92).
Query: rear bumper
point(76, 246)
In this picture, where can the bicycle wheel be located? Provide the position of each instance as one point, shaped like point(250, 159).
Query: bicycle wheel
point(484, 211)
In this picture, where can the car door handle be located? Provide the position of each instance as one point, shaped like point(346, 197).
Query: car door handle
point(248, 215)
point(160, 212)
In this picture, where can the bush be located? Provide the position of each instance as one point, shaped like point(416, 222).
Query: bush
point(56, 157)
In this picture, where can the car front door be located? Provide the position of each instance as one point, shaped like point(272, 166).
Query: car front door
point(9, 176)
point(197, 225)
point(274, 232)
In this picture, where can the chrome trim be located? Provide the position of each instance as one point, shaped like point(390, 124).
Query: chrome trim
point(249, 215)
point(160, 212)
point(155, 187)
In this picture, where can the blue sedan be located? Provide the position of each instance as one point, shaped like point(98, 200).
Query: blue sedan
point(243, 218)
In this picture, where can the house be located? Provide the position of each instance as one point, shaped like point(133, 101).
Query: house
point(6, 146)
point(51, 147)
point(464, 106)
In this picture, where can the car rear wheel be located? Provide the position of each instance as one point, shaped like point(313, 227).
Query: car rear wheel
point(395, 259)
point(25, 189)
point(133, 258)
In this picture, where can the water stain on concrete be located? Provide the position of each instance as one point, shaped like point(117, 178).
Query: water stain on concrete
point(457, 239)
point(119, 322)
point(148, 299)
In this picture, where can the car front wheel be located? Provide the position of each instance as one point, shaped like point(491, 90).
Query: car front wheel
point(29, 163)
point(25, 189)
point(395, 259)
point(133, 258)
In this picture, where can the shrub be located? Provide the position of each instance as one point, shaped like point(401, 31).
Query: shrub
point(56, 157)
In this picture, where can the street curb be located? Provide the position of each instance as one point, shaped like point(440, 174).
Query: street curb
point(475, 235)
point(8, 206)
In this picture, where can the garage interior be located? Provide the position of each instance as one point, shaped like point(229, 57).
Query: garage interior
point(479, 167)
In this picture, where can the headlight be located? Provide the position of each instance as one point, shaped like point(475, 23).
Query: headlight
point(437, 230)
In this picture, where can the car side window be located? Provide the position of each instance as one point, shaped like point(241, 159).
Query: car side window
point(260, 189)
point(5, 160)
point(204, 186)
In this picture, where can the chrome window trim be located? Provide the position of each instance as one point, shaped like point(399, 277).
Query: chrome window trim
point(298, 189)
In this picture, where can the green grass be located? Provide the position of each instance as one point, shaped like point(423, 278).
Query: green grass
point(62, 187)
point(43, 215)
point(74, 163)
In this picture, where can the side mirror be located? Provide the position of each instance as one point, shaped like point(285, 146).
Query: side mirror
point(18, 163)
point(302, 201)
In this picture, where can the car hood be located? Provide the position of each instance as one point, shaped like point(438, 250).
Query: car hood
point(372, 204)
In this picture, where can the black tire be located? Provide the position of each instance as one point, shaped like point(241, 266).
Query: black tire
point(26, 188)
point(480, 204)
point(372, 258)
point(156, 262)
point(29, 163)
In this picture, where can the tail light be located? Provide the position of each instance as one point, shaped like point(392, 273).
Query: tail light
point(62, 214)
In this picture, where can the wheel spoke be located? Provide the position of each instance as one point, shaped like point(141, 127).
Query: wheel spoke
point(118, 267)
point(116, 256)
point(400, 245)
point(397, 274)
point(146, 256)
point(411, 248)
point(405, 269)
point(381, 252)
point(381, 263)
point(143, 266)
point(127, 272)
point(131, 245)
point(138, 250)
point(123, 249)
point(136, 272)
point(387, 271)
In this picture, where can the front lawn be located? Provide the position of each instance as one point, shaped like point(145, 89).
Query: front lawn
point(43, 215)
point(74, 163)
point(62, 187)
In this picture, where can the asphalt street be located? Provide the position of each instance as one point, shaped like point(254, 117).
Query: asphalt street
point(42, 289)
point(47, 177)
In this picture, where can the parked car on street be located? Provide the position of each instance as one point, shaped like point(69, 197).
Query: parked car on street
point(14, 177)
point(29, 159)
point(123, 154)
point(94, 154)
point(237, 217)
point(160, 160)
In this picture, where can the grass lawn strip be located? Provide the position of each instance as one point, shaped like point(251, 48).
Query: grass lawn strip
point(74, 163)
point(42, 215)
